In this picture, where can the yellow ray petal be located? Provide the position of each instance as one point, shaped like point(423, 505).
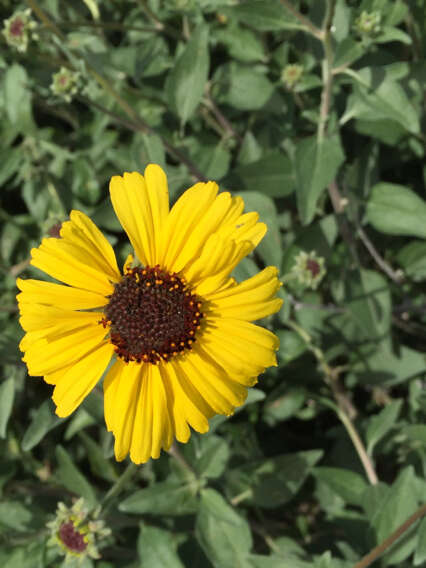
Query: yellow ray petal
point(211, 382)
point(78, 381)
point(71, 264)
point(110, 386)
point(253, 299)
point(162, 434)
point(43, 357)
point(127, 399)
point(186, 405)
point(183, 219)
point(157, 189)
point(39, 316)
point(57, 295)
point(82, 232)
point(208, 222)
point(228, 341)
point(142, 206)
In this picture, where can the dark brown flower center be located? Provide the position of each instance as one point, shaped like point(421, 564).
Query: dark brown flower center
point(16, 27)
point(72, 538)
point(153, 315)
point(313, 267)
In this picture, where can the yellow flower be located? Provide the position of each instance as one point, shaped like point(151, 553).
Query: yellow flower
point(178, 324)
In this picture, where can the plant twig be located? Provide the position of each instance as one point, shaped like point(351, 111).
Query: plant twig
point(327, 70)
point(388, 542)
point(221, 118)
point(344, 407)
point(396, 275)
point(307, 24)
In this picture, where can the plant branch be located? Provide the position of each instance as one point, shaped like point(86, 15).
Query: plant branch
point(388, 542)
point(307, 24)
point(327, 70)
point(396, 275)
point(344, 407)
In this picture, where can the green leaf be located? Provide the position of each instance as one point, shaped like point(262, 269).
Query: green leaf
point(156, 549)
point(412, 258)
point(420, 554)
point(378, 96)
point(349, 485)
point(224, 536)
point(385, 366)
point(273, 482)
point(186, 81)
point(7, 394)
point(17, 96)
point(98, 463)
point(396, 210)
point(162, 498)
point(399, 503)
point(248, 88)
point(263, 15)
point(212, 456)
point(69, 475)
point(271, 175)
point(388, 508)
point(14, 515)
point(369, 302)
point(242, 43)
point(42, 422)
point(380, 424)
point(270, 246)
point(316, 165)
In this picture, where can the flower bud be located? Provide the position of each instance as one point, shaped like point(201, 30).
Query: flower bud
point(76, 532)
point(19, 29)
point(291, 75)
point(309, 269)
point(65, 84)
point(368, 23)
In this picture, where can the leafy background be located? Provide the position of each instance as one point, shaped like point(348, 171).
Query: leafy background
point(327, 457)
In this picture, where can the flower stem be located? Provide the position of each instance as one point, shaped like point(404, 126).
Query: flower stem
point(118, 486)
point(180, 459)
point(331, 376)
point(327, 70)
point(388, 542)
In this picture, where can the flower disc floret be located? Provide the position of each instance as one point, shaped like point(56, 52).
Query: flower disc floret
point(152, 315)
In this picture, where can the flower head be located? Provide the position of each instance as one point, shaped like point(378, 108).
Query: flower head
point(309, 269)
point(76, 532)
point(19, 28)
point(291, 75)
point(65, 83)
point(368, 23)
point(176, 324)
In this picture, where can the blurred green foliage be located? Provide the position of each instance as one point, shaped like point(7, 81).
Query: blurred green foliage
point(314, 112)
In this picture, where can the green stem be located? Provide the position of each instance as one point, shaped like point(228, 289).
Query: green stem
point(388, 542)
point(307, 24)
point(327, 70)
point(330, 376)
point(180, 459)
point(118, 486)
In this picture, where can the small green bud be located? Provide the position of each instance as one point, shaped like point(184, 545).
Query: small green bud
point(309, 269)
point(291, 75)
point(65, 84)
point(19, 29)
point(368, 23)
